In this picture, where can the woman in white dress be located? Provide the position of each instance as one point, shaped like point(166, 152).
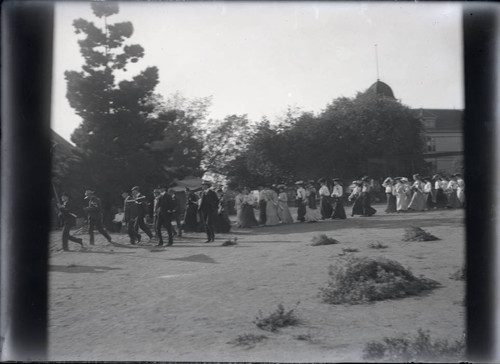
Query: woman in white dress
point(400, 192)
point(451, 193)
point(271, 207)
point(238, 204)
point(283, 211)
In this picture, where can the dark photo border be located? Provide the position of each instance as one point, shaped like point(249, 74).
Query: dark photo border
point(27, 39)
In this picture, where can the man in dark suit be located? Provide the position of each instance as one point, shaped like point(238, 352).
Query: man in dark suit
point(142, 208)
point(69, 220)
point(177, 213)
point(95, 216)
point(208, 206)
point(165, 210)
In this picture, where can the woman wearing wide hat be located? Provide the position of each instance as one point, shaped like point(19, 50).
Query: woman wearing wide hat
point(417, 202)
point(283, 210)
point(357, 206)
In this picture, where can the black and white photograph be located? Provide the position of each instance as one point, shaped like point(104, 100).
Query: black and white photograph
point(256, 182)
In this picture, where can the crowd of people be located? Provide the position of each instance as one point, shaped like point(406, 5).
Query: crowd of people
point(424, 193)
point(208, 209)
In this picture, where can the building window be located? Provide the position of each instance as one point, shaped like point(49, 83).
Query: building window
point(430, 144)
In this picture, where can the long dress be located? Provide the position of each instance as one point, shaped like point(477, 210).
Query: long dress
point(451, 193)
point(190, 216)
point(417, 202)
point(441, 199)
point(312, 212)
point(391, 199)
point(429, 204)
point(338, 203)
point(366, 197)
point(223, 224)
point(357, 206)
point(248, 219)
point(238, 204)
point(283, 211)
point(271, 208)
point(401, 199)
point(325, 205)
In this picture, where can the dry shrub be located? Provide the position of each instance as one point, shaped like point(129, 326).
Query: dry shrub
point(377, 245)
point(459, 275)
point(278, 319)
point(362, 280)
point(322, 239)
point(411, 349)
point(414, 233)
point(248, 340)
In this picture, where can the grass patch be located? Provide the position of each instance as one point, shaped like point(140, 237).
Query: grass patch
point(230, 242)
point(277, 319)
point(459, 275)
point(362, 280)
point(248, 340)
point(377, 245)
point(417, 348)
point(350, 250)
point(322, 239)
point(414, 233)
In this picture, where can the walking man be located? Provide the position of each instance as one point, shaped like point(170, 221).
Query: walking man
point(176, 215)
point(208, 206)
point(131, 212)
point(69, 220)
point(165, 208)
point(140, 200)
point(94, 212)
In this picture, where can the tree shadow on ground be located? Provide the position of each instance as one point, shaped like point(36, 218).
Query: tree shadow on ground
point(80, 268)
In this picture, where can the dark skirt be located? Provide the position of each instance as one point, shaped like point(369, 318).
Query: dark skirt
point(301, 211)
point(247, 216)
point(391, 203)
point(338, 209)
point(441, 199)
point(190, 218)
point(262, 211)
point(368, 210)
point(325, 207)
point(357, 206)
point(223, 224)
point(429, 202)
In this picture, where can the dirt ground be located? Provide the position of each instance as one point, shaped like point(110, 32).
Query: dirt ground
point(189, 302)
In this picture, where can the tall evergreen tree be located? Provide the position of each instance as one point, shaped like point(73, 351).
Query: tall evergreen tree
point(125, 140)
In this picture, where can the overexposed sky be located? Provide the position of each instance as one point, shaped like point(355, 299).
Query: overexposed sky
point(257, 58)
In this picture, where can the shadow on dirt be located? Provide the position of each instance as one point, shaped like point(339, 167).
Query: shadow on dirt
point(80, 268)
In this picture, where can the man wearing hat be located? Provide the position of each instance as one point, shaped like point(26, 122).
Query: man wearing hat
point(94, 212)
point(131, 212)
point(164, 209)
point(69, 220)
point(209, 203)
point(142, 211)
point(301, 201)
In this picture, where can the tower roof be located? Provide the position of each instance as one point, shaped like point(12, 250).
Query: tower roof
point(382, 89)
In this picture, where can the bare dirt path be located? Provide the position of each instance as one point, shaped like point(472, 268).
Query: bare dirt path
point(188, 302)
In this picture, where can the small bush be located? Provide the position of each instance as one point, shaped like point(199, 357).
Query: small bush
point(248, 340)
point(278, 319)
point(414, 233)
point(230, 242)
point(459, 275)
point(322, 239)
point(417, 348)
point(362, 280)
point(350, 250)
point(377, 245)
